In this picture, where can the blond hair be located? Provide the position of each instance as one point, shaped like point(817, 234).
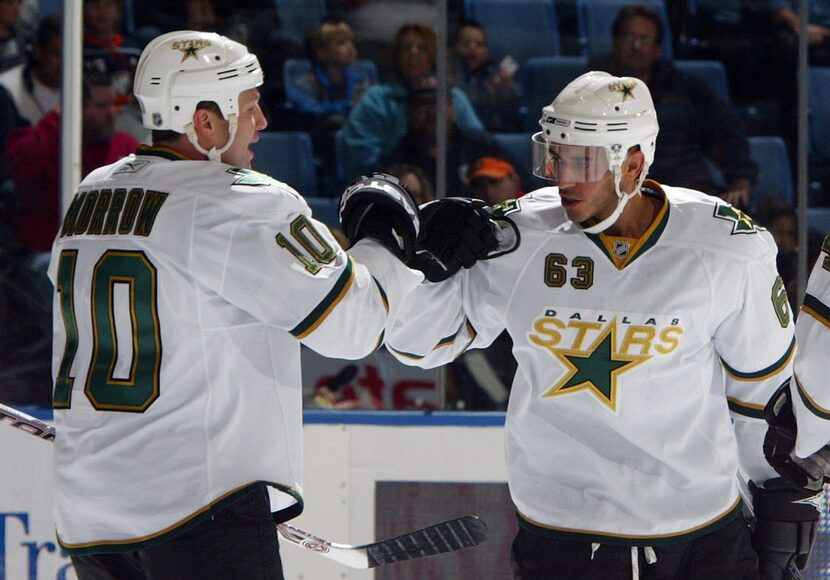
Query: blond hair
point(328, 33)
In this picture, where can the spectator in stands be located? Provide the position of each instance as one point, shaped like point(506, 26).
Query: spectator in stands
point(322, 98)
point(490, 86)
point(108, 50)
point(375, 22)
point(696, 125)
point(33, 155)
point(781, 220)
point(413, 178)
point(325, 96)
point(251, 22)
point(494, 180)
point(35, 85)
point(785, 15)
point(12, 43)
point(380, 119)
point(737, 33)
point(418, 145)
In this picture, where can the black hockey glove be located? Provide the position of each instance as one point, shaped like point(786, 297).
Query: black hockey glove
point(786, 522)
point(779, 445)
point(457, 232)
point(379, 207)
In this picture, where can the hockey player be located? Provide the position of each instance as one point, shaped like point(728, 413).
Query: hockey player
point(650, 328)
point(796, 429)
point(185, 283)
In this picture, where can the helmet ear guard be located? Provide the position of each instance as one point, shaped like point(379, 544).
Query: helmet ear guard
point(178, 70)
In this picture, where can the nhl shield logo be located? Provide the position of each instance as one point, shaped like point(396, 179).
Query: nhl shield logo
point(621, 249)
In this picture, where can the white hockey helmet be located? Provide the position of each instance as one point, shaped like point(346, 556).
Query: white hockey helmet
point(179, 69)
point(588, 129)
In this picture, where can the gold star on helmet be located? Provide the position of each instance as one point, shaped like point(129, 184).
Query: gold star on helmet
point(190, 51)
point(190, 48)
point(625, 87)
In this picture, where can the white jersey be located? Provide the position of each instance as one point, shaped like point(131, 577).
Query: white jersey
point(183, 290)
point(634, 358)
point(812, 385)
point(32, 98)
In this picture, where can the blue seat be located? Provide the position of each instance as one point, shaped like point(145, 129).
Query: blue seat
point(819, 116)
point(49, 8)
point(776, 177)
point(596, 17)
point(520, 28)
point(818, 218)
point(712, 72)
point(543, 78)
point(324, 209)
point(287, 156)
point(299, 17)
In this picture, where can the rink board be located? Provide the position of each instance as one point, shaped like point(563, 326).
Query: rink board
point(367, 476)
point(346, 455)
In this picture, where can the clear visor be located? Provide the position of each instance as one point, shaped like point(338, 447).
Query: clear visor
point(568, 163)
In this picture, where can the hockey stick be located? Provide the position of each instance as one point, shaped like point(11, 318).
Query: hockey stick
point(27, 423)
point(449, 536)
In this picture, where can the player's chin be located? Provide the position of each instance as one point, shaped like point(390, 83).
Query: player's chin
point(572, 210)
point(246, 160)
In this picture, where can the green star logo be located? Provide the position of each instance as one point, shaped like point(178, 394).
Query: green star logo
point(597, 369)
point(741, 222)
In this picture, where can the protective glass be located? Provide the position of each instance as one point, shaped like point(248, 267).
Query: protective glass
point(568, 163)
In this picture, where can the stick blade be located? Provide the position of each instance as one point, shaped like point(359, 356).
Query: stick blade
point(449, 536)
point(352, 556)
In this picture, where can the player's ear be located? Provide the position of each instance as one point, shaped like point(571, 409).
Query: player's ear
point(634, 163)
point(201, 118)
point(207, 126)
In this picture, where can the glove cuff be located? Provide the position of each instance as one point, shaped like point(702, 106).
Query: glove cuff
point(786, 504)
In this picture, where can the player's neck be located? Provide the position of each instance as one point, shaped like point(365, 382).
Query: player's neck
point(636, 218)
point(184, 147)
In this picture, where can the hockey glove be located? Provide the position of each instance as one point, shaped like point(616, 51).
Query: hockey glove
point(779, 445)
point(379, 207)
point(786, 522)
point(457, 232)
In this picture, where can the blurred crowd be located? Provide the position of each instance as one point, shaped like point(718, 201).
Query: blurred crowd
point(358, 79)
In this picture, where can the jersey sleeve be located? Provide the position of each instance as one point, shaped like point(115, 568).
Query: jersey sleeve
point(440, 321)
point(756, 345)
point(267, 255)
point(811, 391)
